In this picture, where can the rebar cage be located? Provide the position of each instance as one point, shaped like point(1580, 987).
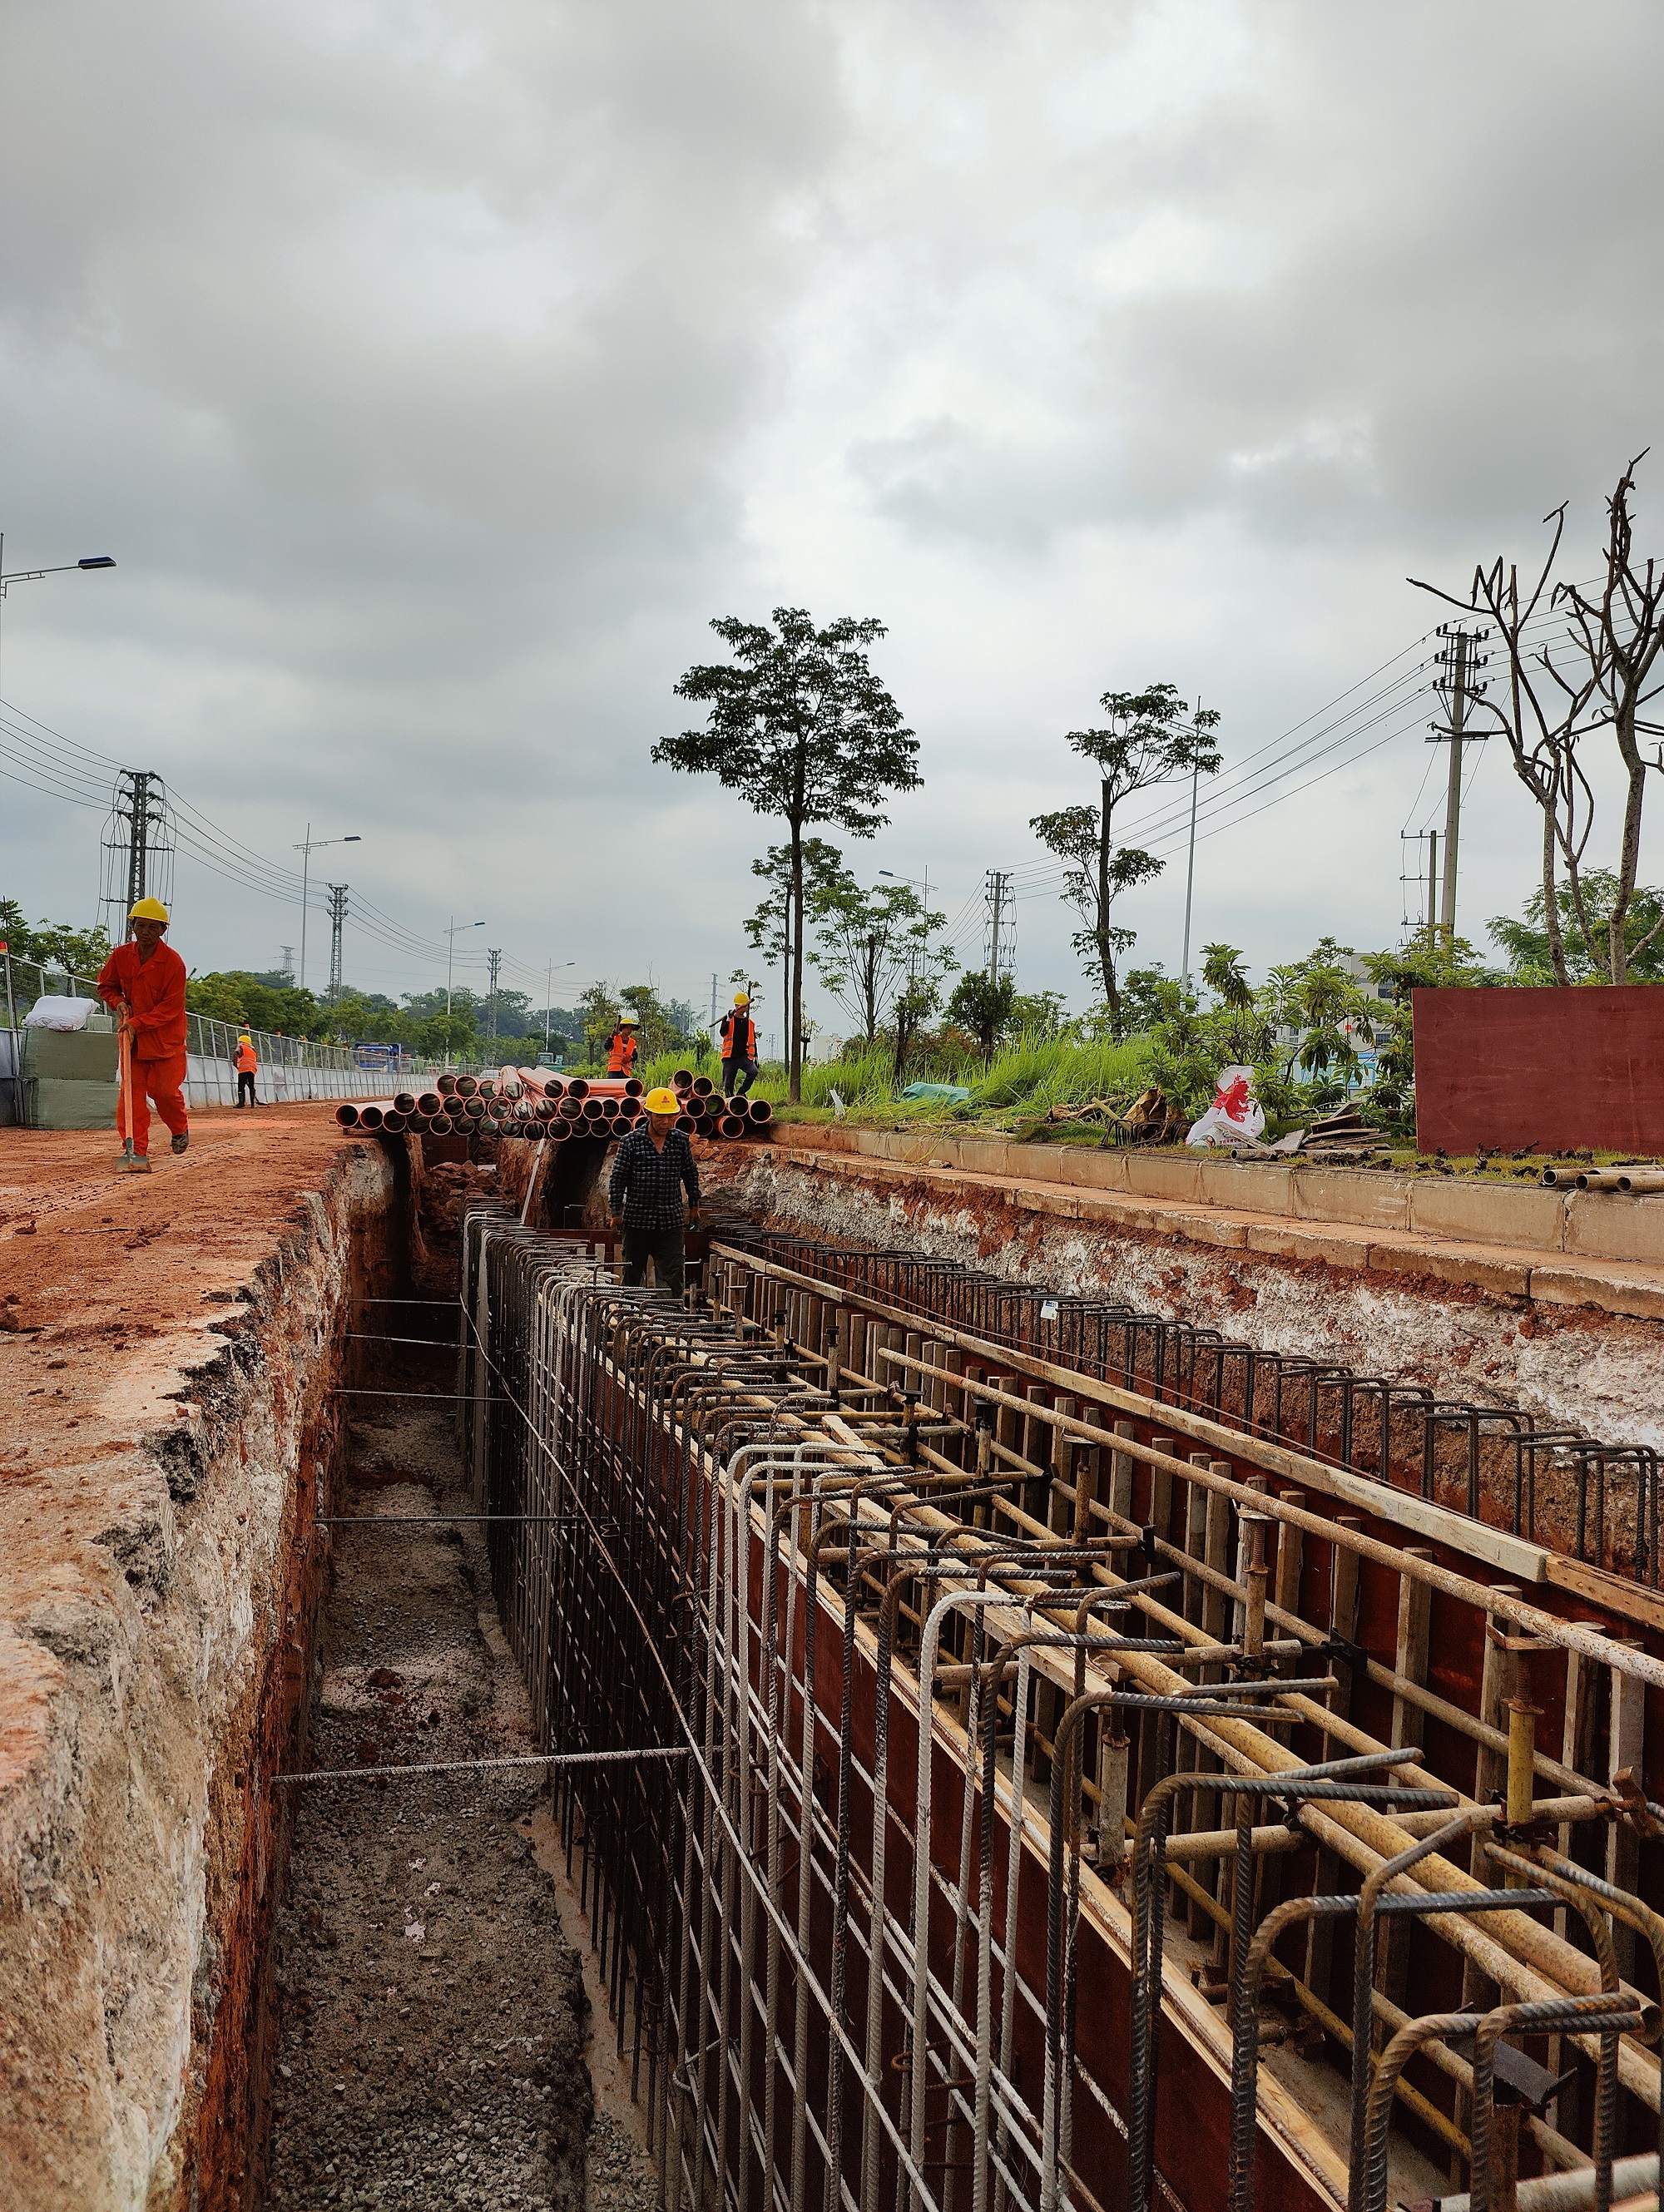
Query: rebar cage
point(1010, 1956)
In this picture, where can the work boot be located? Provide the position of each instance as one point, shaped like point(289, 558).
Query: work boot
point(133, 1164)
point(181, 1142)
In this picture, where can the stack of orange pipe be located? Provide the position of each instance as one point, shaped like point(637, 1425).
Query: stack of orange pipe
point(706, 1113)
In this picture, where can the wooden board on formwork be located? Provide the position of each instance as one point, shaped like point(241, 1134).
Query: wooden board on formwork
point(1548, 1069)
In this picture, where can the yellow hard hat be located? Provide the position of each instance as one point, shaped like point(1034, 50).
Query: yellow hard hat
point(742, 998)
point(628, 1021)
point(147, 909)
point(662, 1101)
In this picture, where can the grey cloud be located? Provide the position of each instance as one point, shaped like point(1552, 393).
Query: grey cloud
point(436, 368)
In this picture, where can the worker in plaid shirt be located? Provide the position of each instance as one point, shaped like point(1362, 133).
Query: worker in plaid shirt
point(654, 1165)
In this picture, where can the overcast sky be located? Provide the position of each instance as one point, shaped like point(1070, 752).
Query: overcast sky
point(434, 372)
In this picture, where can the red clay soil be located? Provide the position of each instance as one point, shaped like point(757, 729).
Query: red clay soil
point(95, 1268)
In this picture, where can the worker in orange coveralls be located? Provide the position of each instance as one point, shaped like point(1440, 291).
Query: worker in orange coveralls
point(248, 1063)
point(621, 1047)
point(143, 981)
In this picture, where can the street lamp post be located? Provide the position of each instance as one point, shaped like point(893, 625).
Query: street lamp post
point(308, 846)
point(451, 936)
point(8, 578)
point(919, 883)
point(549, 993)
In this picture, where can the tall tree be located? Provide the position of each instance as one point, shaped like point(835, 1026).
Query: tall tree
point(870, 943)
point(769, 929)
point(1151, 738)
point(1598, 675)
point(803, 729)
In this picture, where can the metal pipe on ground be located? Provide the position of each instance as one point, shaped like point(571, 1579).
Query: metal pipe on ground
point(1563, 2192)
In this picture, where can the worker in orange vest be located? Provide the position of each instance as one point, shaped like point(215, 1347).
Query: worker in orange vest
point(248, 1062)
point(739, 1047)
point(621, 1046)
point(143, 981)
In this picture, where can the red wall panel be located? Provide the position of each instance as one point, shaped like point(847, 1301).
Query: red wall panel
point(1552, 1069)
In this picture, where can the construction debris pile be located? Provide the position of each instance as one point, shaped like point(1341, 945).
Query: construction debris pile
point(983, 1794)
point(521, 1102)
point(1151, 1118)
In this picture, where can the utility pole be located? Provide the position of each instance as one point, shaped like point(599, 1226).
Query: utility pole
point(1432, 881)
point(306, 849)
point(337, 918)
point(998, 896)
point(1190, 873)
point(306, 888)
point(1460, 664)
point(714, 1005)
point(139, 809)
point(493, 961)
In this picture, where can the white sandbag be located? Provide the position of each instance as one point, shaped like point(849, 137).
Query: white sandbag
point(1235, 1117)
point(59, 1013)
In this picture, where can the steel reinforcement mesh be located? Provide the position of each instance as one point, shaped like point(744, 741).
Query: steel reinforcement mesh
point(1598, 1502)
point(750, 1539)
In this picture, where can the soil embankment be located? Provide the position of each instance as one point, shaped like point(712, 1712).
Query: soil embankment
point(170, 1349)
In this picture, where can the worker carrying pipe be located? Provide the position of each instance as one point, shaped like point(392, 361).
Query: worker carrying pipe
point(620, 1046)
point(144, 981)
point(739, 1047)
point(653, 1167)
point(248, 1063)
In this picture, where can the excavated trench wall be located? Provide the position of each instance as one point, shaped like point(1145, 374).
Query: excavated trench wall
point(151, 1682)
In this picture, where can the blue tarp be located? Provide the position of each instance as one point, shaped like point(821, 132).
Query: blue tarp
point(951, 1094)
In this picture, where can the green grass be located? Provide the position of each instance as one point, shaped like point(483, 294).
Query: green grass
point(1020, 1083)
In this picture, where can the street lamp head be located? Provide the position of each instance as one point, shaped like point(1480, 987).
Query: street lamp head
point(96, 561)
point(353, 839)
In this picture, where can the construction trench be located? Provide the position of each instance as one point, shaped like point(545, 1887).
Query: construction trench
point(462, 1722)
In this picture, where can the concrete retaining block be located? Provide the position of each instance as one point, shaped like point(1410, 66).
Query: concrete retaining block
point(1374, 1201)
point(1528, 1218)
point(1635, 1290)
point(1608, 1225)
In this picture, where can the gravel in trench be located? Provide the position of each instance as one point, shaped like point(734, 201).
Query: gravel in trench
point(432, 2017)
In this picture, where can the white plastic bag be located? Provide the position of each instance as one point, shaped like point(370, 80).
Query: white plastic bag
point(1235, 1117)
point(59, 1013)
